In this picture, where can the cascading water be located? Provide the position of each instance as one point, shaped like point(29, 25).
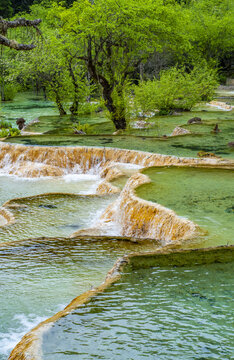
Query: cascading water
point(47, 168)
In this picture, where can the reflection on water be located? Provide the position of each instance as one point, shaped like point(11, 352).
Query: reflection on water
point(158, 313)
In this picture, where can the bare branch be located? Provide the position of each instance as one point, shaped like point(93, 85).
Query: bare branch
point(14, 45)
point(5, 25)
point(21, 22)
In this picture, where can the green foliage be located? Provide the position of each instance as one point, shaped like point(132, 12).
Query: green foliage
point(10, 90)
point(87, 108)
point(14, 132)
point(176, 89)
point(114, 37)
point(4, 133)
point(6, 9)
point(6, 130)
point(5, 124)
point(86, 128)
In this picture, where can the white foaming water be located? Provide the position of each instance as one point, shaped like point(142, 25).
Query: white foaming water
point(12, 186)
point(23, 324)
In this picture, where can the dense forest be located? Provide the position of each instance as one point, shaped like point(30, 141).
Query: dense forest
point(156, 54)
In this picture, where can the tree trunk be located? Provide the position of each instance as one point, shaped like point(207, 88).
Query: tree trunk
point(59, 105)
point(117, 114)
point(75, 104)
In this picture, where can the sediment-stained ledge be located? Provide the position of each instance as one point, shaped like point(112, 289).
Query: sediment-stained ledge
point(6, 217)
point(57, 161)
point(135, 217)
point(30, 346)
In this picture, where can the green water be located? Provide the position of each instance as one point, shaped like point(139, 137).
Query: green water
point(59, 130)
point(39, 278)
point(205, 196)
point(187, 146)
point(53, 215)
point(27, 105)
point(157, 313)
point(15, 187)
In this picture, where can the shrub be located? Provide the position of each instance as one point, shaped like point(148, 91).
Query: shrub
point(5, 132)
point(5, 124)
point(10, 91)
point(176, 89)
point(86, 128)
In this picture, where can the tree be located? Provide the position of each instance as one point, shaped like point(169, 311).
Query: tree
point(6, 9)
point(5, 25)
point(212, 30)
point(115, 36)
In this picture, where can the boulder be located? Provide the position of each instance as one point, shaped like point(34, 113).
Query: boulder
point(180, 131)
point(205, 154)
point(195, 120)
point(79, 132)
point(20, 123)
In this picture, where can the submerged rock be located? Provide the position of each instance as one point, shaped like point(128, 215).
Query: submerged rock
point(207, 154)
point(79, 132)
point(47, 206)
point(231, 144)
point(195, 120)
point(230, 210)
point(180, 131)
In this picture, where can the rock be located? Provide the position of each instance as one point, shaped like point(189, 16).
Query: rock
point(47, 206)
point(117, 132)
point(221, 105)
point(180, 131)
point(79, 132)
point(207, 154)
point(20, 123)
point(231, 144)
point(195, 120)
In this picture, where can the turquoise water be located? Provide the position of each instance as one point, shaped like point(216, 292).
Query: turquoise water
point(159, 313)
point(205, 196)
point(14, 187)
point(53, 215)
point(39, 278)
point(27, 105)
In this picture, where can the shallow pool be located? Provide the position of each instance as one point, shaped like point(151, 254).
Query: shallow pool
point(205, 196)
point(157, 313)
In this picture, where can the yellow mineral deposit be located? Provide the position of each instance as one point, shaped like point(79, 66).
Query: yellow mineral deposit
point(107, 188)
point(55, 161)
point(6, 217)
point(135, 217)
point(221, 105)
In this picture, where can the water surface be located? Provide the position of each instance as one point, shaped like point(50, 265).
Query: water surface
point(205, 196)
point(157, 313)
